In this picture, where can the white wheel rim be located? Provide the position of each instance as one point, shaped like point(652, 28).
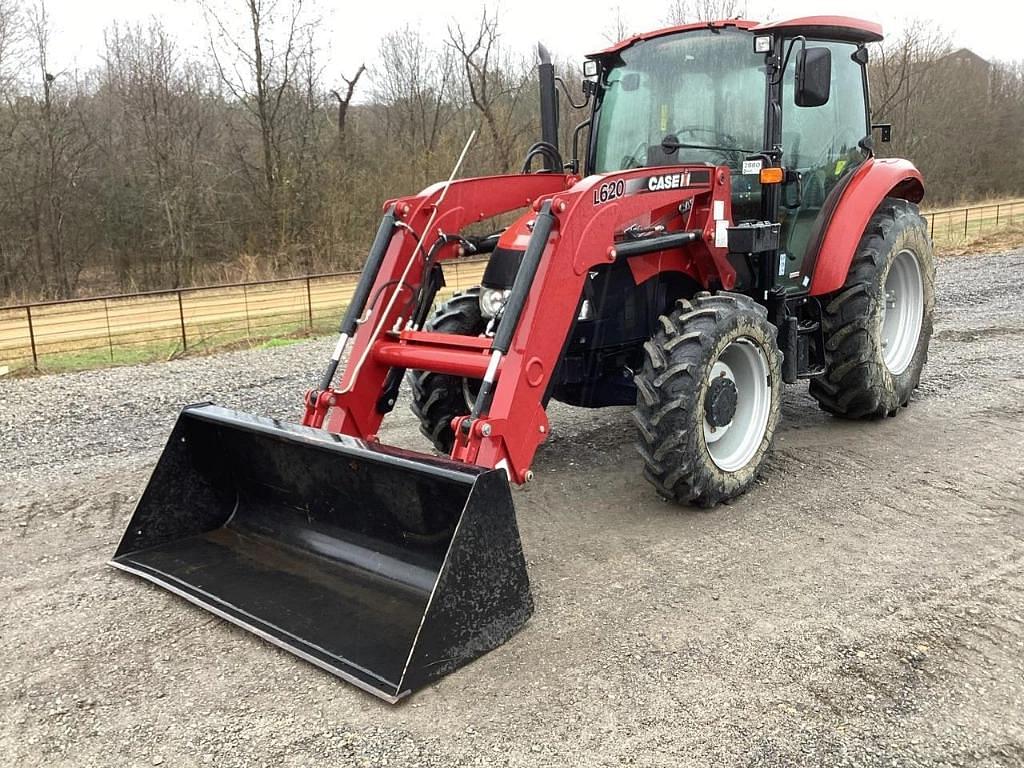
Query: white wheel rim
point(902, 312)
point(733, 445)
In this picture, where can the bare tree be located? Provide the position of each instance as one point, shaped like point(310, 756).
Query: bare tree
point(495, 84)
point(346, 100)
point(900, 66)
point(617, 28)
point(687, 11)
point(413, 88)
point(58, 147)
point(158, 147)
point(258, 64)
point(11, 34)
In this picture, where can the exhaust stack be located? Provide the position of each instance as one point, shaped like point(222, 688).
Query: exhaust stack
point(548, 103)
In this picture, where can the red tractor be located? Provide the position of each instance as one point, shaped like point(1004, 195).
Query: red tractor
point(727, 230)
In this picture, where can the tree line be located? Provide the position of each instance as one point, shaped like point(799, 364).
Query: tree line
point(160, 167)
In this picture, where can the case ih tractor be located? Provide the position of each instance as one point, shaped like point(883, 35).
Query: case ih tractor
point(727, 230)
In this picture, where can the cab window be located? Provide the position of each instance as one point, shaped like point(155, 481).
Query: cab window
point(820, 148)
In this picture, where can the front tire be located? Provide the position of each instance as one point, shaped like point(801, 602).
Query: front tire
point(708, 398)
point(878, 325)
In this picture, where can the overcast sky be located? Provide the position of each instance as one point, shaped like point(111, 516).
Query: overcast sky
point(570, 28)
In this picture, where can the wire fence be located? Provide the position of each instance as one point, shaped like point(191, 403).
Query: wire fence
point(957, 226)
point(84, 333)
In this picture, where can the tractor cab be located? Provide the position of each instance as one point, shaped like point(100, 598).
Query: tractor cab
point(753, 97)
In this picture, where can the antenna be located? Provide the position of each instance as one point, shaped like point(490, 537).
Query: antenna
point(405, 273)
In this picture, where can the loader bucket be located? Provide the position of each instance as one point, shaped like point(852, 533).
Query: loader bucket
point(385, 567)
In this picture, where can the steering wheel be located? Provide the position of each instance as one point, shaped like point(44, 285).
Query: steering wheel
point(721, 137)
point(633, 160)
point(732, 155)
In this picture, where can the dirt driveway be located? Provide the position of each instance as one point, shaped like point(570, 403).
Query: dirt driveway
point(864, 605)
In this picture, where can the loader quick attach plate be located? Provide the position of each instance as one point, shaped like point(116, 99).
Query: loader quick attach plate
point(385, 567)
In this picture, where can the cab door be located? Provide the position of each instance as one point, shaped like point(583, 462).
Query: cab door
point(821, 148)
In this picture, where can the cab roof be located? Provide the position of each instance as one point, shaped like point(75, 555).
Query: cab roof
point(843, 28)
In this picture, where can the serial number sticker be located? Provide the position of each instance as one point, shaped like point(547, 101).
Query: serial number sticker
point(751, 167)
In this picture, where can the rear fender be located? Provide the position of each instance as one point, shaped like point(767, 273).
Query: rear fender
point(875, 180)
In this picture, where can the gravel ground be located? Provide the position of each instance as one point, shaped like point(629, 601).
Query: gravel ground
point(863, 605)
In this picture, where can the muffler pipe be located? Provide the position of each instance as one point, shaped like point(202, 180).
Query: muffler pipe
point(548, 103)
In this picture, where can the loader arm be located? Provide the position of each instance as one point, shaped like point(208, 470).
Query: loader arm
point(351, 408)
point(586, 226)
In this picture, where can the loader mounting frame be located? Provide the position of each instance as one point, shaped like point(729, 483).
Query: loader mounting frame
point(576, 227)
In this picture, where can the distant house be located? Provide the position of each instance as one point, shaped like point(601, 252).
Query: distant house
point(965, 57)
point(967, 67)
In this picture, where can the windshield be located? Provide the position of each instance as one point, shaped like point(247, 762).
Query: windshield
point(705, 89)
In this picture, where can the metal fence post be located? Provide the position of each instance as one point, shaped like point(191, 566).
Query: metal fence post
point(966, 211)
point(997, 215)
point(181, 317)
point(245, 303)
point(309, 304)
point(932, 235)
point(110, 339)
point(32, 338)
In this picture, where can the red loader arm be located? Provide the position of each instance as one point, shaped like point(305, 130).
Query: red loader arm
point(574, 230)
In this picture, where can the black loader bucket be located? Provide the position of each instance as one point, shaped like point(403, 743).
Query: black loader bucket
point(386, 567)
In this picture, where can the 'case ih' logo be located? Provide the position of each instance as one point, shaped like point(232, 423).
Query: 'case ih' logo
point(668, 181)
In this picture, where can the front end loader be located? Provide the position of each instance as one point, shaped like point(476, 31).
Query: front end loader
point(727, 229)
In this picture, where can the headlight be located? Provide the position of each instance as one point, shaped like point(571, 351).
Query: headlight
point(492, 300)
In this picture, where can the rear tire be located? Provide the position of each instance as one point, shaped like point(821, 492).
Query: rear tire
point(878, 325)
point(702, 439)
point(438, 398)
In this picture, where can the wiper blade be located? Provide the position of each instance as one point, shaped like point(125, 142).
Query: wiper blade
point(671, 145)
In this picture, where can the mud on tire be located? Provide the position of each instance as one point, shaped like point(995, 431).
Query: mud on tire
point(858, 382)
point(438, 398)
point(672, 389)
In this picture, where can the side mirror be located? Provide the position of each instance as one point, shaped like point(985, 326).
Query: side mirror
point(630, 81)
point(885, 129)
point(813, 77)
